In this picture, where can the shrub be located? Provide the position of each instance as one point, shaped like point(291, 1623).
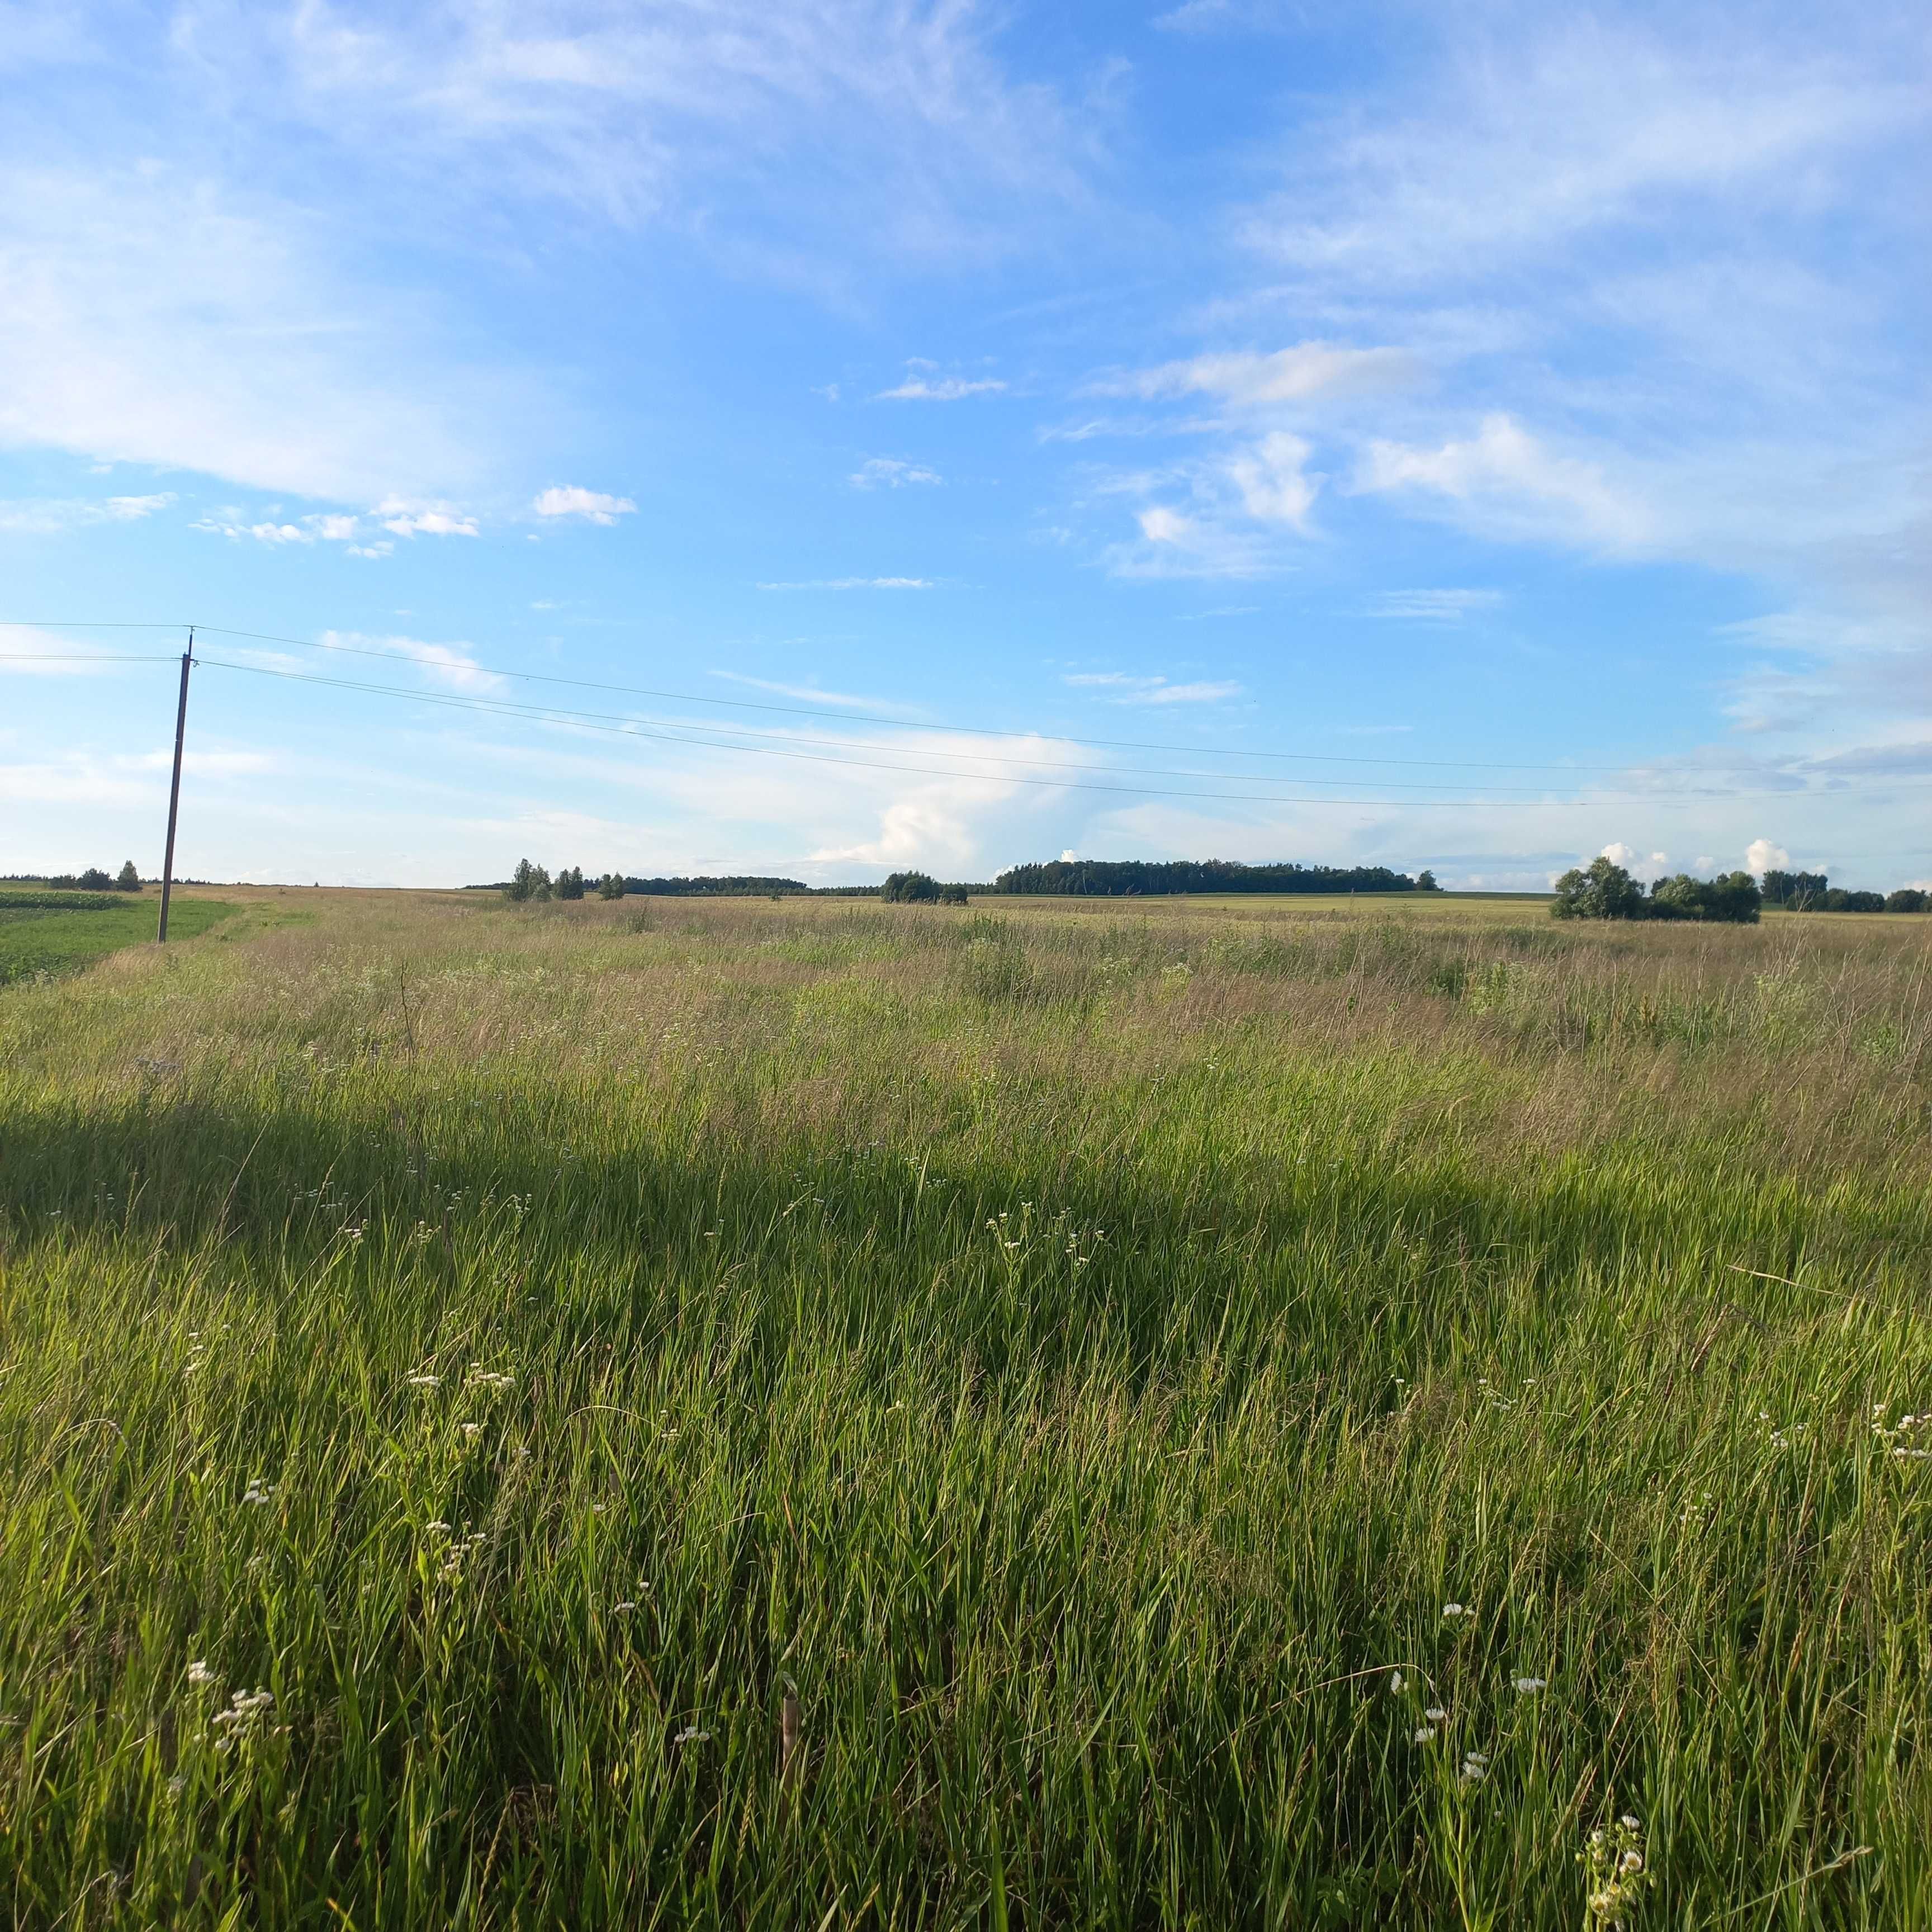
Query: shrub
point(94, 879)
point(952, 896)
point(910, 889)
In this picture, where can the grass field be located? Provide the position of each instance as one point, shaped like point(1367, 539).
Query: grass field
point(55, 932)
point(677, 1413)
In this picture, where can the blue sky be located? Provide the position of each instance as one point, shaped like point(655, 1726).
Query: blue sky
point(1474, 436)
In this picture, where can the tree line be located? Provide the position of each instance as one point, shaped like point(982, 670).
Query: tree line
point(1603, 890)
point(1120, 878)
point(94, 879)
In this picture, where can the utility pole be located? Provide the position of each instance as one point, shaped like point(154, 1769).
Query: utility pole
point(174, 790)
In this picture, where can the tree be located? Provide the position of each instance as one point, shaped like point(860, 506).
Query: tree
point(1796, 891)
point(128, 879)
point(1602, 890)
point(952, 896)
point(1839, 900)
point(610, 886)
point(910, 889)
point(1907, 899)
point(527, 882)
point(570, 883)
point(1425, 881)
point(94, 879)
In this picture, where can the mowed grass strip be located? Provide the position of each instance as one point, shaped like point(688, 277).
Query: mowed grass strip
point(1292, 1420)
point(60, 932)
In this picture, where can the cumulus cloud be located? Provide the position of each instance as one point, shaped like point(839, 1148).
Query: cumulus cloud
point(1503, 477)
point(592, 505)
point(1761, 856)
point(428, 520)
point(1632, 860)
point(889, 473)
point(1250, 378)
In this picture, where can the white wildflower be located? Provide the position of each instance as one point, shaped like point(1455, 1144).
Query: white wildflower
point(1528, 1686)
point(692, 1734)
point(425, 1382)
point(1425, 1734)
point(199, 1673)
point(1395, 1683)
point(1436, 1714)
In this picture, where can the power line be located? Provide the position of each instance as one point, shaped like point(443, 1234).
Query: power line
point(864, 717)
point(616, 724)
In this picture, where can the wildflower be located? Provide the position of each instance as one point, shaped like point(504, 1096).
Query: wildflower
point(692, 1734)
point(436, 1528)
point(1455, 1610)
point(472, 1429)
point(425, 1382)
point(176, 1786)
point(1425, 1734)
point(1436, 1714)
point(1475, 1768)
point(619, 1608)
point(1630, 1823)
point(1395, 1683)
point(259, 1494)
point(199, 1673)
point(1528, 1686)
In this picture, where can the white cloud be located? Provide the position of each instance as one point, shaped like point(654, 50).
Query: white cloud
point(1272, 480)
point(408, 519)
point(1761, 855)
point(154, 316)
point(454, 666)
point(1433, 607)
point(891, 473)
point(1129, 689)
point(855, 583)
point(1160, 525)
point(1633, 861)
point(948, 389)
point(50, 516)
point(591, 504)
point(1250, 378)
point(812, 694)
point(1505, 480)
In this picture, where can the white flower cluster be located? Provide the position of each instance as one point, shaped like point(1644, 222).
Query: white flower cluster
point(1618, 1875)
point(246, 1711)
point(456, 1552)
point(1902, 1437)
point(259, 1494)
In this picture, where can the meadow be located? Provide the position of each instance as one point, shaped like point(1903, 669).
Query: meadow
point(1272, 1414)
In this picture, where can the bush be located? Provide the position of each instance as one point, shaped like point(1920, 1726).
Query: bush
point(952, 896)
point(94, 879)
point(1907, 899)
point(910, 889)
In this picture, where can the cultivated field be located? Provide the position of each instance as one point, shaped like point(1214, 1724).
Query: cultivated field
point(1272, 1413)
point(52, 932)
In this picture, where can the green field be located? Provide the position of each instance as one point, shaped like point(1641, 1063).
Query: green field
point(814, 1414)
point(57, 932)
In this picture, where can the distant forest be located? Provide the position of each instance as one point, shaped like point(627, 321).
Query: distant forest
point(1122, 878)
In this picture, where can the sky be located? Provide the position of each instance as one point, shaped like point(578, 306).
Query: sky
point(822, 439)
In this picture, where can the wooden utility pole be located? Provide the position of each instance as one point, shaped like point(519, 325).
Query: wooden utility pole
point(174, 790)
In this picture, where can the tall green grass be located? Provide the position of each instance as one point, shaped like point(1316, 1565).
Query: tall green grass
point(1077, 1362)
point(44, 933)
